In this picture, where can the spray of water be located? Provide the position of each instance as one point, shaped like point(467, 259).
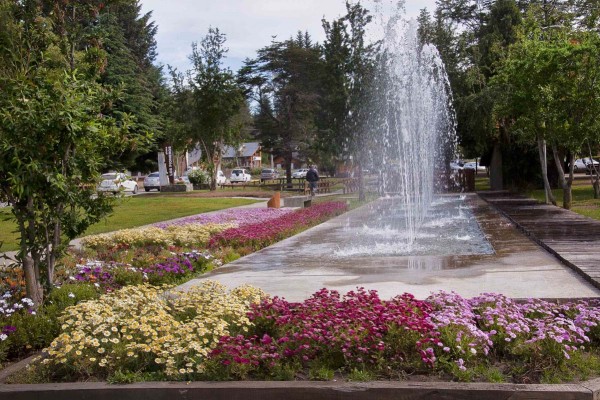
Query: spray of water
point(412, 116)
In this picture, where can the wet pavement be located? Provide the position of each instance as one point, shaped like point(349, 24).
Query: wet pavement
point(297, 267)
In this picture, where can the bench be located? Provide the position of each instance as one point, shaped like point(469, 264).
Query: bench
point(297, 201)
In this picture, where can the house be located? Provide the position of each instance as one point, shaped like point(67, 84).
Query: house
point(246, 155)
point(279, 161)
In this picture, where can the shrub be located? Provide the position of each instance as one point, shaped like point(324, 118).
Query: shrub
point(199, 177)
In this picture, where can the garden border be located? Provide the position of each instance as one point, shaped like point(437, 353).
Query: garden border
point(301, 390)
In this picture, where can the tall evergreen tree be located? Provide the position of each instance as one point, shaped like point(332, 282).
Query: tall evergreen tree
point(284, 81)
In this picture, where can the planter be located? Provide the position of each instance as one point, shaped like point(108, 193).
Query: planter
point(201, 186)
point(300, 390)
point(176, 188)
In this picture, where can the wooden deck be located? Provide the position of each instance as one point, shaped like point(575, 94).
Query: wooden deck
point(572, 238)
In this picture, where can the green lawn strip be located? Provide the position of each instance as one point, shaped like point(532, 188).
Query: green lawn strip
point(583, 200)
point(482, 183)
point(135, 211)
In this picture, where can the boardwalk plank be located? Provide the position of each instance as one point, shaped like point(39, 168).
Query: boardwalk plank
point(573, 238)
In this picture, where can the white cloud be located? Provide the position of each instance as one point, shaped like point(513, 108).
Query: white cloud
point(248, 24)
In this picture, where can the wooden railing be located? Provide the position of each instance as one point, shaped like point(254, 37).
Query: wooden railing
point(323, 186)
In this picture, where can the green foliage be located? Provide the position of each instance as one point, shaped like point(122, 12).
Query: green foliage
point(229, 256)
point(320, 373)
point(209, 106)
point(199, 177)
point(284, 81)
point(120, 378)
point(49, 91)
point(126, 276)
point(357, 375)
point(128, 40)
point(36, 330)
point(347, 73)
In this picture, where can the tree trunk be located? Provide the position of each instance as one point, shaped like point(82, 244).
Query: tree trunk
point(544, 165)
point(564, 183)
point(496, 169)
point(33, 287)
point(594, 175)
point(216, 167)
point(361, 183)
point(55, 248)
point(288, 167)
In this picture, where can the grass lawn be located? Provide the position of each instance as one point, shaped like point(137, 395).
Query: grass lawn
point(482, 182)
point(583, 199)
point(135, 211)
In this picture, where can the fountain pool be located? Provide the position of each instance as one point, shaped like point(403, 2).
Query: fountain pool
point(448, 228)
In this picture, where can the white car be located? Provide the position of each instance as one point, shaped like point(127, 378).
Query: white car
point(456, 166)
point(300, 173)
point(116, 182)
point(240, 175)
point(473, 165)
point(221, 178)
point(152, 181)
point(583, 164)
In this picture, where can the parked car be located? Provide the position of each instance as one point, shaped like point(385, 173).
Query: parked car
point(152, 181)
point(268, 173)
point(116, 182)
point(584, 164)
point(240, 175)
point(473, 165)
point(456, 165)
point(300, 173)
point(221, 178)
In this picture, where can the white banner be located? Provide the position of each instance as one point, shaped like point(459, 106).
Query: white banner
point(194, 155)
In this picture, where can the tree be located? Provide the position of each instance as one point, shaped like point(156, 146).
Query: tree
point(128, 39)
point(210, 101)
point(472, 38)
point(551, 79)
point(284, 81)
point(348, 72)
point(54, 138)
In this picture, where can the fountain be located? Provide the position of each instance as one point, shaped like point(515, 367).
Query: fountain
point(412, 121)
point(412, 239)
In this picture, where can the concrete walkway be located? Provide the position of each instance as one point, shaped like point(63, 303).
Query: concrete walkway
point(297, 267)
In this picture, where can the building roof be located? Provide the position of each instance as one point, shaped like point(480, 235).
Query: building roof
point(244, 150)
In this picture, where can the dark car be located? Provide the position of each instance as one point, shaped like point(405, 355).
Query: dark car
point(268, 173)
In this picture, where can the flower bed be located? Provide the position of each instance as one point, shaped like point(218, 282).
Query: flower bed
point(140, 334)
point(167, 253)
point(139, 328)
point(175, 235)
point(259, 235)
point(114, 275)
point(239, 217)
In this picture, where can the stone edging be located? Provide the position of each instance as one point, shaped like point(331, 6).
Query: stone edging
point(301, 390)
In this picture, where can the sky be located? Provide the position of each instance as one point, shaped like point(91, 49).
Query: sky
point(248, 24)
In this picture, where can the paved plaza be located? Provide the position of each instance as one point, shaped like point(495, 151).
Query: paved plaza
point(299, 266)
